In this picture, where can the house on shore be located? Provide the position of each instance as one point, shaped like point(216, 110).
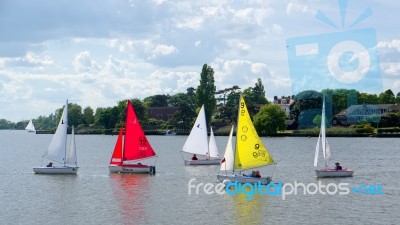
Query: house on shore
point(372, 113)
point(162, 113)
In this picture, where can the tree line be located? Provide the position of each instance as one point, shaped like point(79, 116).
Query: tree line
point(221, 108)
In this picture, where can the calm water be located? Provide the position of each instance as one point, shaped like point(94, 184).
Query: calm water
point(96, 197)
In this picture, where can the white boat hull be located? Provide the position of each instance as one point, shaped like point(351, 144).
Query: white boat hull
point(333, 173)
point(56, 170)
point(243, 179)
point(203, 162)
point(132, 169)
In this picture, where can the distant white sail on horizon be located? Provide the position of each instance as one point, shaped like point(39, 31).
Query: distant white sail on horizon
point(30, 127)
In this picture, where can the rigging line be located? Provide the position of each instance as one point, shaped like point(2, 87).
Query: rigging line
point(273, 171)
point(155, 160)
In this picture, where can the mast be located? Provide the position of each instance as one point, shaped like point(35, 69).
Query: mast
point(237, 122)
point(66, 131)
point(323, 126)
point(209, 139)
point(205, 115)
point(124, 135)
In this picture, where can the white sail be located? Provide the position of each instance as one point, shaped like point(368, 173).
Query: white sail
point(197, 142)
point(327, 152)
point(71, 155)
point(324, 142)
point(228, 160)
point(317, 151)
point(212, 146)
point(30, 127)
point(57, 148)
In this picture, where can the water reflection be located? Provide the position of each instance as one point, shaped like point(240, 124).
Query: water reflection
point(250, 211)
point(130, 193)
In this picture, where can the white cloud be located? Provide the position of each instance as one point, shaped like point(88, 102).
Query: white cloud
point(278, 29)
point(29, 60)
point(390, 53)
point(83, 62)
point(245, 74)
point(297, 6)
point(239, 46)
point(163, 50)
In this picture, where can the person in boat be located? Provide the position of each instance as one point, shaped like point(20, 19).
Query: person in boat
point(194, 157)
point(253, 174)
point(50, 164)
point(257, 174)
point(338, 167)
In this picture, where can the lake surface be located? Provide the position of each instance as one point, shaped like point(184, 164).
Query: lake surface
point(94, 196)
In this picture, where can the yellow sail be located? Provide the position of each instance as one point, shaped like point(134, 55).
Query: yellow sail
point(250, 150)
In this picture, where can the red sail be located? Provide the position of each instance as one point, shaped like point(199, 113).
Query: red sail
point(136, 145)
point(116, 158)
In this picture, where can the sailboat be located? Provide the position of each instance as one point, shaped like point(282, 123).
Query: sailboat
point(57, 150)
point(197, 143)
point(326, 152)
point(30, 127)
point(249, 153)
point(132, 147)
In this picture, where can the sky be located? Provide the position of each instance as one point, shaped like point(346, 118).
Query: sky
point(95, 53)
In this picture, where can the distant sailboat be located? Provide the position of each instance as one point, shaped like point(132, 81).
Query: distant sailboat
point(132, 147)
point(197, 143)
point(57, 150)
point(250, 151)
point(30, 127)
point(326, 152)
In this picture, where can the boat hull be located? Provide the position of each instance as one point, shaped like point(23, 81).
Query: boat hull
point(333, 173)
point(56, 170)
point(203, 162)
point(132, 169)
point(243, 179)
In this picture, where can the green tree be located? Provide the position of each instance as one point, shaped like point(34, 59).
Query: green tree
point(269, 120)
point(191, 93)
point(365, 98)
point(46, 122)
point(140, 110)
point(231, 108)
point(398, 98)
point(177, 99)
point(107, 117)
point(88, 116)
point(189, 98)
point(184, 117)
point(387, 97)
point(339, 99)
point(306, 106)
point(156, 101)
point(255, 96)
point(317, 120)
point(205, 93)
point(258, 93)
point(75, 116)
point(5, 124)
